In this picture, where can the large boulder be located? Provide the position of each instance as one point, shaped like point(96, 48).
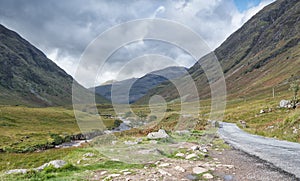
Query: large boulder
point(284, 103)
point(54, 163)
point(16, 171)
point(158, 135)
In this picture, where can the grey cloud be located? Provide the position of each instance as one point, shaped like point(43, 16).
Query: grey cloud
point(63, 29)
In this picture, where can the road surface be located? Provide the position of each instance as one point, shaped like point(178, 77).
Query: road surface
point(282, 154)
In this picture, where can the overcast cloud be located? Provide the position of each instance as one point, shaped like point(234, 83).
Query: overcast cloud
point(63, 29)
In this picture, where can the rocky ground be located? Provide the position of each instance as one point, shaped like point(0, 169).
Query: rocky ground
point(186, 159)
point(214, 161)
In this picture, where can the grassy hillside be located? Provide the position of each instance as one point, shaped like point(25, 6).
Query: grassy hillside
point(24, 129)
point(263, 53)
point(28, 77)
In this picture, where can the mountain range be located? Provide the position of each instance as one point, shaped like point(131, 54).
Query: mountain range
point(28, 77)
point(138, 87)
point(263, 54)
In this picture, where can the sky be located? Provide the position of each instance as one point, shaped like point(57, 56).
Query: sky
point(63, 29)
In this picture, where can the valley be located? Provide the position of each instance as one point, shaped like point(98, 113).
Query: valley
point(53, 127)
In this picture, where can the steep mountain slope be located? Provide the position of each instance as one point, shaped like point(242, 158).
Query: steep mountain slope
point(263, 53)
point(28, 77)
point(138, 87)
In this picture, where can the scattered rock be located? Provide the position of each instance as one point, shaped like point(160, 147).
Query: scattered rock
point(130, 142)
point(103, 172)
point(158, 135)
point(284, 103)
point(199, 170)
point(229, 166)
point(113, 176)
point(192, 177)
point(195, 147)
point(89, 155)
point(126, 173)
point(163, 172)
point(16, 171)
point(54, 163)
point(228, 178)
point(190, 156)
point(208, 176)
point(164, 165)
point(204, 150)
point(179, 155)
point(179, 168)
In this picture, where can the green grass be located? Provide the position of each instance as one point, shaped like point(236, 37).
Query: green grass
point(25, 129)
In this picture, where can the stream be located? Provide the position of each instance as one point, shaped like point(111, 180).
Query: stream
point(125, 125)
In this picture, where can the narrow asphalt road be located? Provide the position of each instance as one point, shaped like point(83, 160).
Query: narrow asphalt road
point(282, 154)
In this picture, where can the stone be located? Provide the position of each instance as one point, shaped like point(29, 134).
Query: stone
point(164, 165)
point(130, 142)
point(126, 173)
point(284, 103)
point(89, 155)
point(179, 154)
point(262, 111)
point(229, 166)
point(204, 150)
point(195, 147)
point(54, 163)
point(190, 156)
point(191, 177)
point(207, 176)
point(16, 171)
point(163, 172)
point(103, 172)
point(228, 178)
point(179, 168)
point(199, 170)
point(158, 135)
point(113, 175)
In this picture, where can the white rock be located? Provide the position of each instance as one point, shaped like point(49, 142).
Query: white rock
point(190, 156)
point(113, 175)
point(54, 163)
point(195, 147)
point(89, 155)
point(284, 103)
point(158, 135)
point(179, 155)
point(103, 172)
point(164, 165)
point(179, 168)
point(199, 170)
point(164, 172)
point(204, 150)
point(208, 176)
point(229, 166)
point(130, 142)
point(23, 171)
point(126, 173)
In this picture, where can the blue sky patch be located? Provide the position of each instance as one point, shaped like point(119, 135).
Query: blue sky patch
point(243, 5)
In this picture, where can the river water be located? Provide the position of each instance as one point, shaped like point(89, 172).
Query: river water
point(125, 125)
